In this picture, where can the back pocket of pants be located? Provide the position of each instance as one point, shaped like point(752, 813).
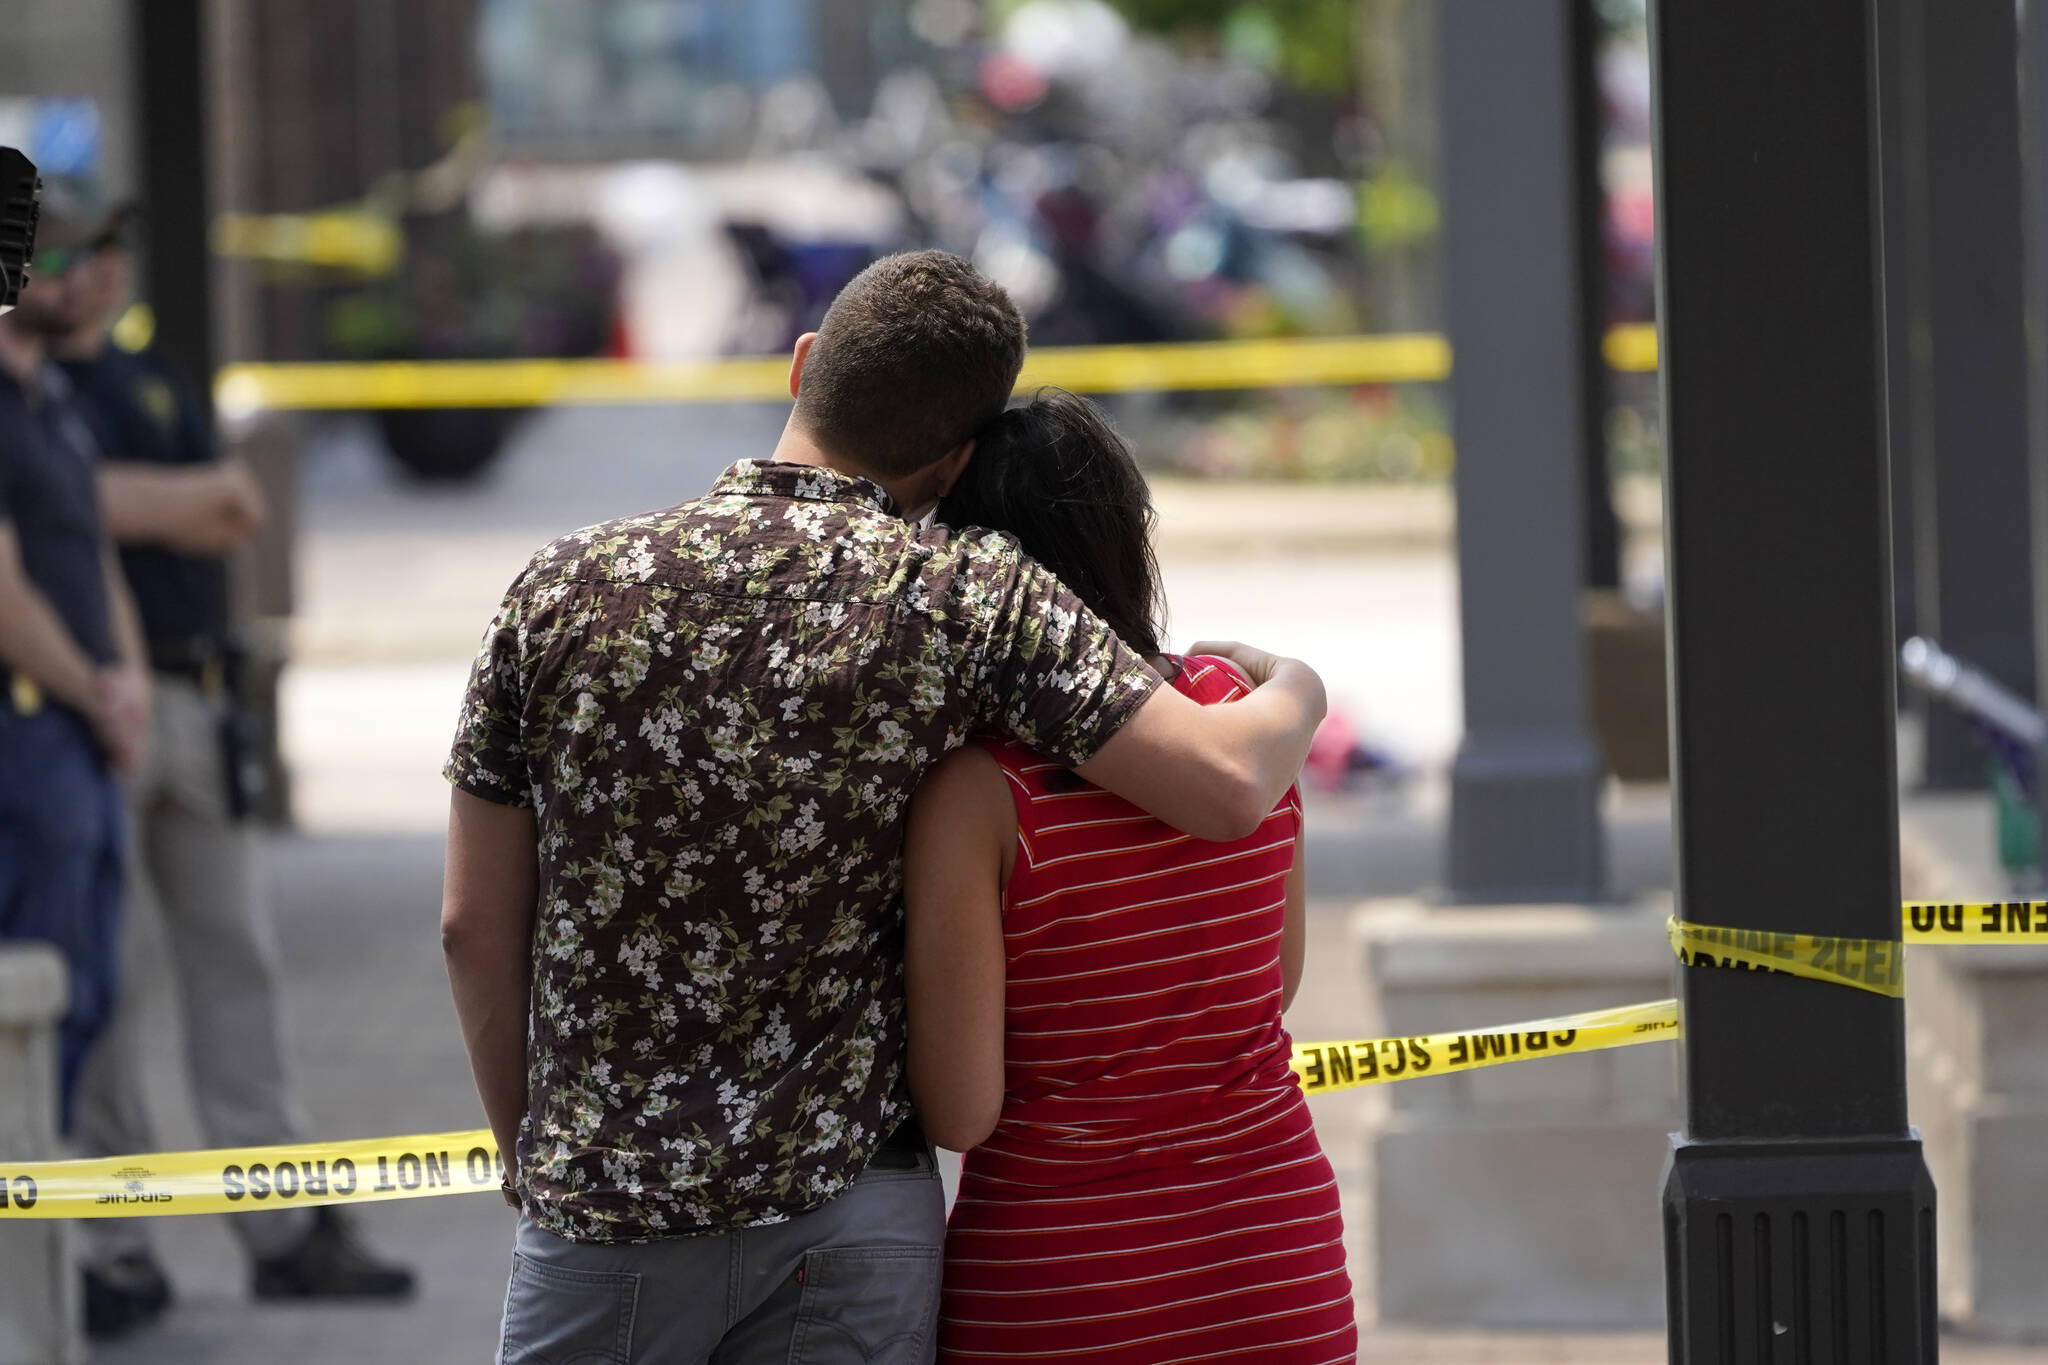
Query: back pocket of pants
point(867, 1306)
point(558, 1316)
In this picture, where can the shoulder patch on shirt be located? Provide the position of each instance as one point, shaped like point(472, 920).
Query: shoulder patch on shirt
point(154, 397)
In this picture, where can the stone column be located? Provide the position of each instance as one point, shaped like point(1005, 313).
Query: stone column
point(1525, 787)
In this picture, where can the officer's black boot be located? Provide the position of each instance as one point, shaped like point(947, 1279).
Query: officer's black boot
point(330, 1263)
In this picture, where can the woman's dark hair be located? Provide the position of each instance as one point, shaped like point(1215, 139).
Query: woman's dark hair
point(1053, 473)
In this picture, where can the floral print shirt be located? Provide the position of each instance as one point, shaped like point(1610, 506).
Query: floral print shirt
point(718, 713)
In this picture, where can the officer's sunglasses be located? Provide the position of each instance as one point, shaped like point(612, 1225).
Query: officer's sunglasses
point(51, 262)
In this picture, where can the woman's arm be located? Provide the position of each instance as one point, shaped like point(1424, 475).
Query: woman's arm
point(1294, 929)
point(957, 847)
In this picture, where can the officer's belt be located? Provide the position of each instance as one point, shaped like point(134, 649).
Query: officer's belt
point(199, 659)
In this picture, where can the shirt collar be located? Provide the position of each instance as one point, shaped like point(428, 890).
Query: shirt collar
point(804, 482)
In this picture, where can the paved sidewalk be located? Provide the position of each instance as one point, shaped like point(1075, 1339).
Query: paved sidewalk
point(376, 1050)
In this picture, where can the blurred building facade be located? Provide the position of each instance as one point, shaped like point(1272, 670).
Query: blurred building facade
point(70, 49)
point(632, 76)
point(314, 104)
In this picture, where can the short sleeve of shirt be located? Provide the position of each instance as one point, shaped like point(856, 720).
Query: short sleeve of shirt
point(1053, 674)
point(489, 757)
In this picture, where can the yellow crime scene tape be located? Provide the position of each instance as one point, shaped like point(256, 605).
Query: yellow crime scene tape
point(243, 1179)
point(1876, 965)
point(1161, 367)
point(1980, 923)
point(1868, 964)
point(233, 1180)
point(1324, 1067)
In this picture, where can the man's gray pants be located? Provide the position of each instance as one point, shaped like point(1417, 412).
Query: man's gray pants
point(855, 1282)
point(193, 872)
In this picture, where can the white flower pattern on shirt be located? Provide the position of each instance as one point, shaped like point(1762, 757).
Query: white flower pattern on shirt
point(718, 713)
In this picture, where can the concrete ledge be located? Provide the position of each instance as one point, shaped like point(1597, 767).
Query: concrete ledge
point(1526, 1195)
point(33, 989)
point(1245, 516)
point(38, 1282)
point(2008, 1167)
point(1418, 947)
point(2005, 960)
point(1946, 1062)
point(1552, 1226)
point(1442, 969)
point(1223, 517)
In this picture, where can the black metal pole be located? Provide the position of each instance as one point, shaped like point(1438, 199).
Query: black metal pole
point(177, 269)
point(1798, 1211)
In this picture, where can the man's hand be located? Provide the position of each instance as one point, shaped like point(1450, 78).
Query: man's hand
point(1216, 771)
point(121, 717)
point(203, 510)
point(229, 510)
point(241, 495)
point(1256, 664)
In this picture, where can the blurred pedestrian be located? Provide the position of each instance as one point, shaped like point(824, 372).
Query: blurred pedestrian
point(76, 710)
point(671, 916)
point(176, 510)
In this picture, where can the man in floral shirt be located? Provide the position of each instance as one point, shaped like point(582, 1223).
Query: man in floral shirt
point(672, 914)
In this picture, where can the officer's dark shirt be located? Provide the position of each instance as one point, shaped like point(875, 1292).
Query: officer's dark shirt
point(142, 411)
point(48, 495)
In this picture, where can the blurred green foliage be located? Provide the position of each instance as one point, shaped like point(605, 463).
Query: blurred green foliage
point(1371, 433)
point(1310, 43)
point(1395, 209)
point(1622, 14)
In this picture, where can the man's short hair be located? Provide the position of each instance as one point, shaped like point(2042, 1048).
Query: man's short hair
point(917, 353)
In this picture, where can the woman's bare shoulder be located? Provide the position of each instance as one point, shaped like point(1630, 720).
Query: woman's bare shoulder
point(961, 817)
point(968, 778)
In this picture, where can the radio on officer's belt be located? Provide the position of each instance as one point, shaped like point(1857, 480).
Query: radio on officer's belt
point(19, 195)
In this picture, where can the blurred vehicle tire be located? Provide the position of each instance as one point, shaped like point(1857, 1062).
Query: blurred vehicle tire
point(446, 445)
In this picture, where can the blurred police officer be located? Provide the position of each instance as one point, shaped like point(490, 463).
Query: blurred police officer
point(75, 711)
point(176, 510)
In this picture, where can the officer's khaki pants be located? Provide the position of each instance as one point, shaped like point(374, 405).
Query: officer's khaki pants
point(196, 913)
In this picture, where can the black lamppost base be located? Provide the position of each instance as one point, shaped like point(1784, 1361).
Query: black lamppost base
point(1800, 1253)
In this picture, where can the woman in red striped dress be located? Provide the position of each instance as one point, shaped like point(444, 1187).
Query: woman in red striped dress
point(1095, 1004)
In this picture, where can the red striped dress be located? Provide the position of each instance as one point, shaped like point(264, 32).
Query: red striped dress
point(1154, 1191)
